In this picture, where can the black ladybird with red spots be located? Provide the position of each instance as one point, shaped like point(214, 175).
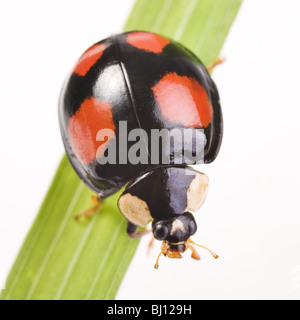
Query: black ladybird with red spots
point(132, 112)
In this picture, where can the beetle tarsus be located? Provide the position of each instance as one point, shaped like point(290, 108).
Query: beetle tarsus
point(217, 62)
point(96, 203)
point(156, 264)
point(150, 245)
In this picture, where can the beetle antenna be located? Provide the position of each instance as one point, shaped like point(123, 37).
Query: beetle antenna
point(212, 253)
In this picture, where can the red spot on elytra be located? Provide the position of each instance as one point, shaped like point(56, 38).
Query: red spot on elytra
point(89, 58)
point(92, 116)
point(183, 100)
point(147, 41)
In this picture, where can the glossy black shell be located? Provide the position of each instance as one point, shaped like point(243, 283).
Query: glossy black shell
point(124, 76)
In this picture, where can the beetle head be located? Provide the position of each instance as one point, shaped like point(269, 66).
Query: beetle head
point(175, 230)
point(175, 233)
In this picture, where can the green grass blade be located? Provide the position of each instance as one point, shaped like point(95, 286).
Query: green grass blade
point(201, 25)
point(64, 259)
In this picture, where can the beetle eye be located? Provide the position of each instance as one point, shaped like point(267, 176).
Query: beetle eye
point(160, 232)
point(192, 227)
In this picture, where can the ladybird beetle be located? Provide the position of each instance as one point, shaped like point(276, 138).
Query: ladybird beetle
point(121, 96)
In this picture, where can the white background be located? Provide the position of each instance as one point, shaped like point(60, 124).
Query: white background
point(251, 217)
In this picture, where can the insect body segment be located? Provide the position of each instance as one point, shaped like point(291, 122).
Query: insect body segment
point(138, 110)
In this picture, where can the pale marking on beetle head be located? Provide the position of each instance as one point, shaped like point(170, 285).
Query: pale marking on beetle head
point(135, 210)
point(177, 225)
point(197, 192)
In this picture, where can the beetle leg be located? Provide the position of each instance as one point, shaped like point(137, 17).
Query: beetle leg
point(195, 254)
point(132, 231)
point(211, 66)
point(150, 245)
point(156, 264)
point(96, 203)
